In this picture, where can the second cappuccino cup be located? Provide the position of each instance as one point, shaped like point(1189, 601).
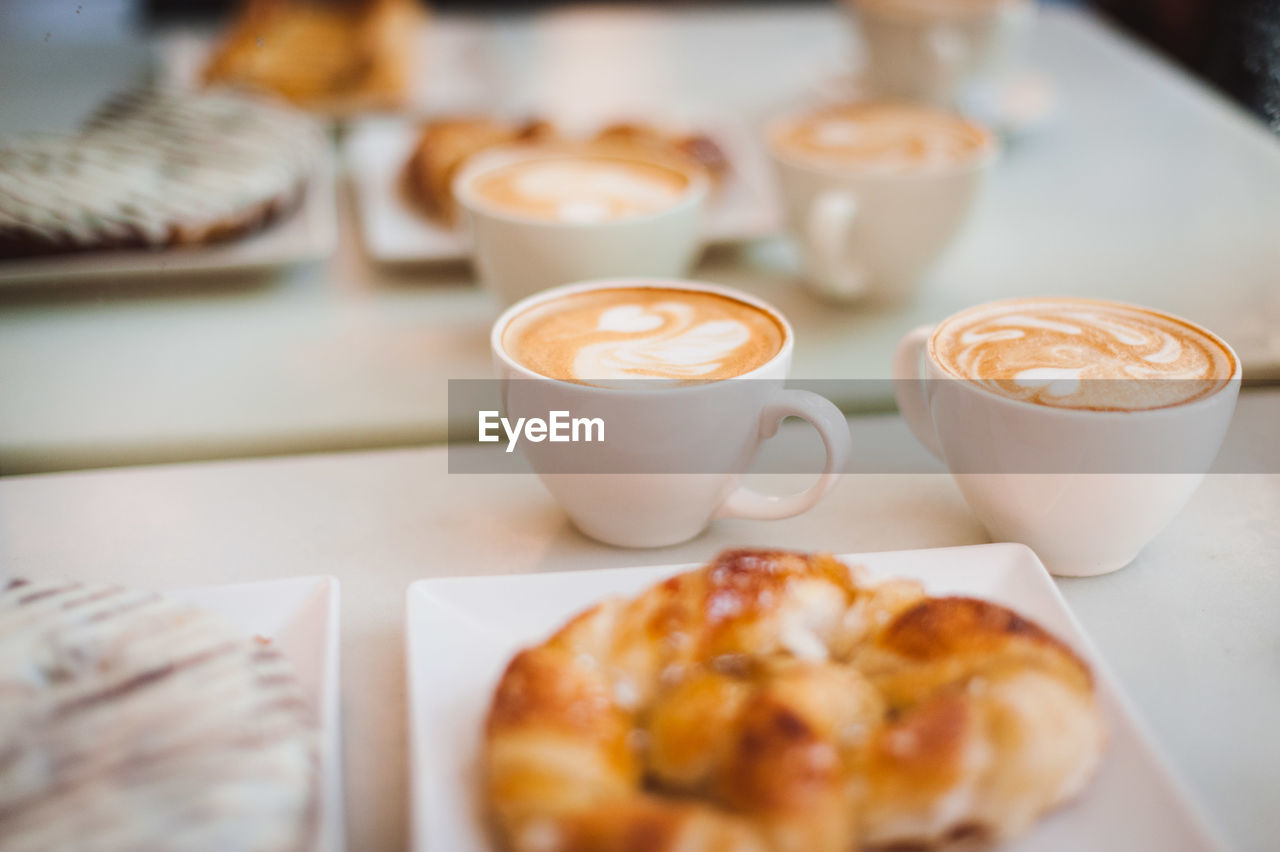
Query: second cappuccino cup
point(1078, 427)
point(541, 218)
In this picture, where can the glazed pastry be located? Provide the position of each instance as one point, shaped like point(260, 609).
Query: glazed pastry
point(777, 701)
point(155, 168)
point(696, 147)
point(133, 722)
point(331, 56)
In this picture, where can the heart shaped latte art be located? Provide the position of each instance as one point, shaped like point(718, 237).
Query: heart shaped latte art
point(668, 344)
point(629, 318)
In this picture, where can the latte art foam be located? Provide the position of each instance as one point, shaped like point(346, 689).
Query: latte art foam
point(604, 336)
point(1079, 353)
point(883, 137)
point(582, 189)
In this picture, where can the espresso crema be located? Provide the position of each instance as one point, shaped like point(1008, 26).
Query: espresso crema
point(883, 137)
point(581, 189)
point(603, 336)
point(1082, 353)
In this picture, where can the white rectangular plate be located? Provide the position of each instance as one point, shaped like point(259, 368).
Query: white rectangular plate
point(461, 632)
point(300, 616)
point(308, 233)
point(396, 232)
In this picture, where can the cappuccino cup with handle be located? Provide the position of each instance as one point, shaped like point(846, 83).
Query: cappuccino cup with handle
point(1078, 427)
point(686, 380)
point(875, 192)
point(939, 51)
point(541, 217)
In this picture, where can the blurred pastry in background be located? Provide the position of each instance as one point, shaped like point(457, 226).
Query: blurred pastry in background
point(131, 721)
point(648, 138)
point(445, 144)
point(332, 56)
point(156, 168)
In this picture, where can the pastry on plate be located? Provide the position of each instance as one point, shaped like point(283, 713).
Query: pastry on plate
point(696, 147)
point(333, 56)
point(775, 701)
point(445, 144)
point(133, 722)
point(155, 168)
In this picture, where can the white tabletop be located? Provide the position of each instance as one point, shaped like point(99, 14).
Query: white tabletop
point(1146, 187)
point(1190, 628)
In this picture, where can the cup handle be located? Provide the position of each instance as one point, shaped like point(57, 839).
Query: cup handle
point(823, 415)
point(908, 388)
point(831, 216)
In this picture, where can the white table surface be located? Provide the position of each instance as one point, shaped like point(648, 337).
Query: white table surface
point(1190, 628)
point(1147, 187)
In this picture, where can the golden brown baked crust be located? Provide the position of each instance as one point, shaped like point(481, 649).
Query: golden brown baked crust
point(697, 148)
point(778, 701)
point(445, 144)
point(332, 57)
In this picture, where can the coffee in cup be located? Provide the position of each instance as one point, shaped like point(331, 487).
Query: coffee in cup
point(874, 192)
point(1078, 427)
point(686, 380)
point(542, 217)
point(881, 138)
point(1083, 354)
point(623, 333)
point(581, 189)
point(940, 51)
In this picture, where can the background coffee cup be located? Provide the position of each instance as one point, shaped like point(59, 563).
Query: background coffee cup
point(936, 52)
point(658, 431)
point(517, 256)
point(1085, 489)
point(865, 234)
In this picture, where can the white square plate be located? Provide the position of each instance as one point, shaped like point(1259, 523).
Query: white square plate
point(462, 631)
point(300, 616)
point(308, 233)
point(396, 232)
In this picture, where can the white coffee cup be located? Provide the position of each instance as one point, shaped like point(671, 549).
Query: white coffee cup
point(517, 255)
point(867, 234)
point(1070, 483)
point(936, 52)
point(713, 429)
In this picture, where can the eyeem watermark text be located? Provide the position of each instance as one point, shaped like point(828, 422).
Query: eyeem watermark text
point(559, 427)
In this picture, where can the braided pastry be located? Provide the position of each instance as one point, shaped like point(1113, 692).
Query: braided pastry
point(779, 701)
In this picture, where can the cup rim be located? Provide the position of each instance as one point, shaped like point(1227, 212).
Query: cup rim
point(488, 160)
point(1212, 398)
point(979, 162)
point(620, 283)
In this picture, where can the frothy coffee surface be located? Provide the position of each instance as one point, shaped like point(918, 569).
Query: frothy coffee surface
point(582, 189)
point(602, 336)
point(892, 138)
point(1081, 353)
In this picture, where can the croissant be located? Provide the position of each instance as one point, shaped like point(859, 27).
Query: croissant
point(774, 701)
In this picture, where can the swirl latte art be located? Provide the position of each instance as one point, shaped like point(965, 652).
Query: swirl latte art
point(892, 138)
point(1080, 353)
point(602, 336)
